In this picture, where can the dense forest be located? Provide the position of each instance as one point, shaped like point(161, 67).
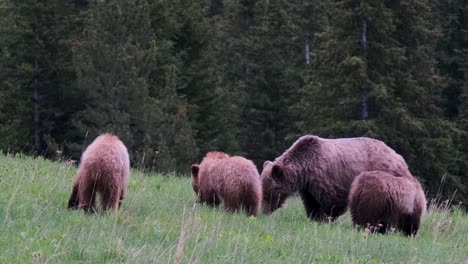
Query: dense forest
point(175, 79)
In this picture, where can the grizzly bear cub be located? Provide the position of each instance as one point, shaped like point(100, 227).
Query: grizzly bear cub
point(234, 181)
point(382, 200)
point(322, 170)
point(104, 169)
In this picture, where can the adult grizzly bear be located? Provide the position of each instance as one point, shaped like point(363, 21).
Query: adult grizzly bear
point(104, 169)
point(234, 181)
point(381, 199)
point(322, 171)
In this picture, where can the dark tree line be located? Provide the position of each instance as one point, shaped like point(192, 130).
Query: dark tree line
point(175, 79)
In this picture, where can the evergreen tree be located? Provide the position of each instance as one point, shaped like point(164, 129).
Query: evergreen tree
point(452, 57)
point(128, 81)
point(376, 77)
point(450, 53)
point(430, 143)
point(196, 35)
point(278, 37)
point(35, 73)
point(260, 61)
point(176, 79)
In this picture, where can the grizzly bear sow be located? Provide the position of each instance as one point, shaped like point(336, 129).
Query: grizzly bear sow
point(104, 169)
point(234, 181)
point(382, 200)
point(322, 171)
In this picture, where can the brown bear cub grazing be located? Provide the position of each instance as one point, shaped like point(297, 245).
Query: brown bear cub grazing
point(234, 181)
point(382, 200)
point(104, 169)
point(322, 171)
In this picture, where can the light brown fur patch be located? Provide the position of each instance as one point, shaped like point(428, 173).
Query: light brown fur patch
point(379, 198)
point(233, 181)
point(104, 169)
point(216, 155)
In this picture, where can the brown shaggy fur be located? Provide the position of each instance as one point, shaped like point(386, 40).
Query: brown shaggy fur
point(381, 199)
point(104, 169)
point(234, 181)
point(322, 171)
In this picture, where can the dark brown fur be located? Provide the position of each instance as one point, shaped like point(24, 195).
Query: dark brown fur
point(382, 200)
point(104, 169)
point(234, 181)
point(322, 171)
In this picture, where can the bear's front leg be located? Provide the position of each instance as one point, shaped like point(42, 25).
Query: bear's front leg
point(311, 205)
point(211, 198)
point(331, 212)
point(73, 202)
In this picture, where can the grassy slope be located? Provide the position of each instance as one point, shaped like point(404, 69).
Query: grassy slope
point(159, 223)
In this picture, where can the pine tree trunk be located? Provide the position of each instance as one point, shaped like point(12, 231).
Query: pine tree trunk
point(307, 32)
point(364, 111)
point(37, 116)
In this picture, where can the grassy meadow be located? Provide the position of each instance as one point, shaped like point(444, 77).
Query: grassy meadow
point(160, 223)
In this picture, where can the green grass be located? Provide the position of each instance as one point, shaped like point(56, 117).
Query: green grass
point(160, 223)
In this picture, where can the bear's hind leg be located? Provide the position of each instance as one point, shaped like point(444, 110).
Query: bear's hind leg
point(232, 202)
point(87, 196)
point(122, 196)
point(110, 199)
point(231, 207)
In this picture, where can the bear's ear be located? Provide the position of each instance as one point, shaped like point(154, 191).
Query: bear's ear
point(266, 163)
point(195, 169)
point(277, 173)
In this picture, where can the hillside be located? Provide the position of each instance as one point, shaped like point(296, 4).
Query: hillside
point(160, 223)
